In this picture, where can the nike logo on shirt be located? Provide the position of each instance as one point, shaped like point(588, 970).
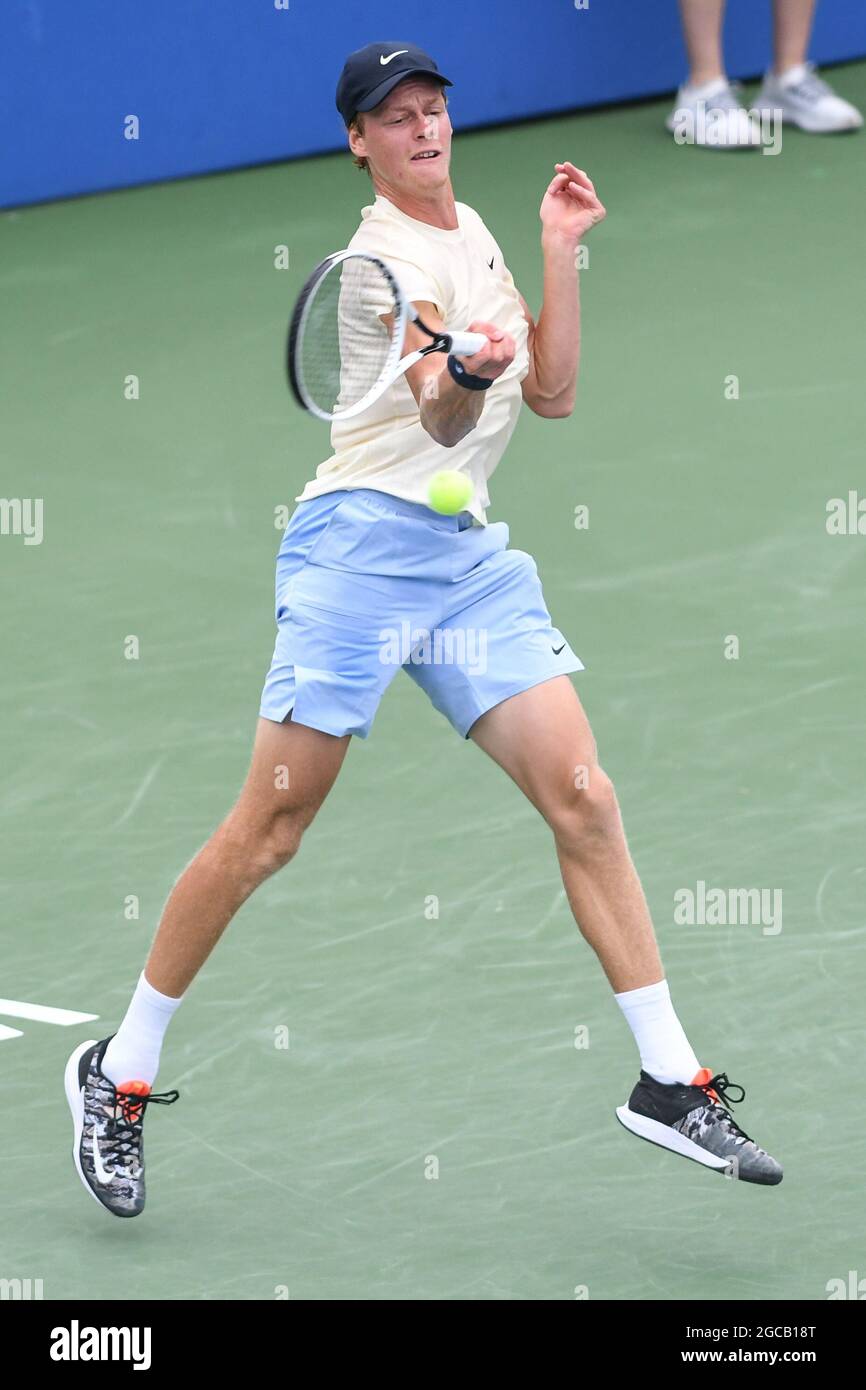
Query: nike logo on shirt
point(384, 61)
point(490, 262)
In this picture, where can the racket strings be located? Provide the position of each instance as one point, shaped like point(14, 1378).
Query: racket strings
point(345, 345)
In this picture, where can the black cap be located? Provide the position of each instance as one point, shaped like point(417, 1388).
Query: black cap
point(371, 72)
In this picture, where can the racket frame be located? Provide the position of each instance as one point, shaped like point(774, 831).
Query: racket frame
point(461, 344)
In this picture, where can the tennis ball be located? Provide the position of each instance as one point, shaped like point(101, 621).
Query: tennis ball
point(449, 491)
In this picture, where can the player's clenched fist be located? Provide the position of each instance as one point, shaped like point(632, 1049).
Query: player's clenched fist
point(493, 359)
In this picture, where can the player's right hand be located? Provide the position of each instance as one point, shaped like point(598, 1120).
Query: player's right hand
point(493, 359)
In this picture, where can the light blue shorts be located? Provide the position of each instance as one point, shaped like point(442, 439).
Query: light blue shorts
point(368, 584)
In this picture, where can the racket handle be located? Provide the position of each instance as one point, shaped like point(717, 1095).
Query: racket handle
point(467, 344)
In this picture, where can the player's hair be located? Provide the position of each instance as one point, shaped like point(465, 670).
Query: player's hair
point(357, 123)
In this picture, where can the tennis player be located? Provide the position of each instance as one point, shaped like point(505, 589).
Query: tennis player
point(364, 555)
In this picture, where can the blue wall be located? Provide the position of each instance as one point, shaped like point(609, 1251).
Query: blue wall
point(221, 83)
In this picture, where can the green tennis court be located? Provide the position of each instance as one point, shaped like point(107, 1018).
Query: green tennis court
point(431, 1130)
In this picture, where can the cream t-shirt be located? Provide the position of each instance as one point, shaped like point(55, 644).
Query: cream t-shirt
point(463, 273)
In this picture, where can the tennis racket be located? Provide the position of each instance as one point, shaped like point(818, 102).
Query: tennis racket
point(347, 336)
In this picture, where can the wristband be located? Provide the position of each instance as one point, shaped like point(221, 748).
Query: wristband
point(464, 378)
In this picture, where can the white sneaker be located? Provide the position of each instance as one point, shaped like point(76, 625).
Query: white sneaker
point(713, 115)
point(806, 100)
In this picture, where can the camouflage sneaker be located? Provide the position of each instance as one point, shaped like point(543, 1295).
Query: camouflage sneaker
point(693, 1121)
point(107, 1147)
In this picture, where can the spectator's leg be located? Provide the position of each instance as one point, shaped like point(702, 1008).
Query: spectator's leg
point(708, 109)
point(792, 27)
point(702, 31)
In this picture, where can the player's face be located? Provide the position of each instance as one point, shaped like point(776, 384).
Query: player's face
point(408, 137)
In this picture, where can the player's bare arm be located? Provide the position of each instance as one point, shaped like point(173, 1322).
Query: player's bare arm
point(448, 410)
point(569, 208)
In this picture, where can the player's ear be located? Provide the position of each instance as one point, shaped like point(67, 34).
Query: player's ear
point(356, 138)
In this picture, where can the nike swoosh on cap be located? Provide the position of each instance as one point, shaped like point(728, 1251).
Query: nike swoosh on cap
point(383, 60)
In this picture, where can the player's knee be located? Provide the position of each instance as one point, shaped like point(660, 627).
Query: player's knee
point(281, 839)
point(588, 816)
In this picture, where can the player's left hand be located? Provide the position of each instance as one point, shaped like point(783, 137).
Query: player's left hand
point(571, 205)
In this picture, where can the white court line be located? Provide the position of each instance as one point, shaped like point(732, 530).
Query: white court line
point(149, 776)
point(42, 1013)
point(9, 1033)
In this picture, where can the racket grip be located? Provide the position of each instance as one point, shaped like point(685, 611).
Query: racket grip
point(467, 344)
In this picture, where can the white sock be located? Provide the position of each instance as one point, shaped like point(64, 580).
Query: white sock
point(704, 90)
point(133, 1053)
point(665, 1051)
point(792, 75)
